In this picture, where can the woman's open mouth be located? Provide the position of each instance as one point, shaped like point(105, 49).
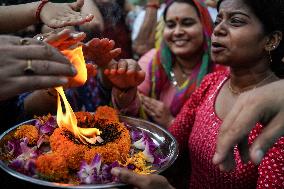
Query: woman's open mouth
point(217, 47)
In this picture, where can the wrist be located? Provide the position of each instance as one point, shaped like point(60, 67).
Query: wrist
point(40, 6)
point(124, 91)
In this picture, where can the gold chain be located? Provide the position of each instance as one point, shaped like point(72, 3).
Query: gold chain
point(249, 87)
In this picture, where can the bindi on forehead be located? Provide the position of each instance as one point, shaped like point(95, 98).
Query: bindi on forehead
point(177, 18)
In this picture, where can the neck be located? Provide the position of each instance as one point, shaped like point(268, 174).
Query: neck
point(187, 63)
point(242, 80)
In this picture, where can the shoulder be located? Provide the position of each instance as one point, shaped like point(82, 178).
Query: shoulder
point(146, 59)
point(214, 78)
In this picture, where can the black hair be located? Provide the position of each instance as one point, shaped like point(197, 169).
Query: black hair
point(190, 2)
point(271, 14)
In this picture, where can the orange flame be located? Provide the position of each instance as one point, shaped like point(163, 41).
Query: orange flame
point(68, 119)
point(76, 57)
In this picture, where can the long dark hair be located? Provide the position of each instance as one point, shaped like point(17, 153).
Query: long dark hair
point(271, 15)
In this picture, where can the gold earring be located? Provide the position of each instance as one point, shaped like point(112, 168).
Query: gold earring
point(270, 58)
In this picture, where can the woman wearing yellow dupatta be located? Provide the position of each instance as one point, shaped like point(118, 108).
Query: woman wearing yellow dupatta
point(175, 69)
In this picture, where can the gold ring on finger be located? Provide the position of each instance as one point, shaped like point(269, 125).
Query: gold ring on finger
point(24, 42)
point(29, 69)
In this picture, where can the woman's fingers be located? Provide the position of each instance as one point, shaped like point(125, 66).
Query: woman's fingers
point(76, 6)
point(44, 67)
point(65, 38)
point(57, 15)
point(273, 131)
point(129, 177)
point(122, 66)
point(18, 85)
point(141, 181)
point(40, 52)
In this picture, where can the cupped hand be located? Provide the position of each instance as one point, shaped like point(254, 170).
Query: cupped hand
point(57, 15)
point(141, 181)
point(49, 68)
point(100, 51)
point(157, 109)
point(265, 105)
point(124, 74)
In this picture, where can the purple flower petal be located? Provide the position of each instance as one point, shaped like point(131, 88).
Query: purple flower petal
point(91, 173)
point(159, 160)
point(86, 173)
point(148, 153)
point(136, 135)
point(131, 166)
point(106, 172)
point(42, 139)
point(13, 147)
point(96, 162)
point(140, 144)
point(48, 127)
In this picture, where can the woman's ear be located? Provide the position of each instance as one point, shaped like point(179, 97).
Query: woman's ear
point(273, 40)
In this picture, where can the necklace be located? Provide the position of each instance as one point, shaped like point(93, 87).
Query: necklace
point(184, 73)
point(173, 79)
point(249, 87)
point(173, 76)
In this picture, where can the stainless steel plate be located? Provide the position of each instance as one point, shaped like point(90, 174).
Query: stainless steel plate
point(167, 147)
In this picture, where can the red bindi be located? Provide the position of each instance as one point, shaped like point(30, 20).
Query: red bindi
point(177, 18)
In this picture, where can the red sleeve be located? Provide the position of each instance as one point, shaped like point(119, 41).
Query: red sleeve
point(271, 169)
point(184, 121)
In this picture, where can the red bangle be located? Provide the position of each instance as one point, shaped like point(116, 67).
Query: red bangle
point(39, 8)
point(153, 5)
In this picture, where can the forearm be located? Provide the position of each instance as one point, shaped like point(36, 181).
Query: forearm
point(97, 24)
point(17, 17)
point(146, 36)
point(127, 102)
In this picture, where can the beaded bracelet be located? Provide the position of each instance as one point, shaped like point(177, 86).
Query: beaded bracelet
point(39, 8)
point(153, 5)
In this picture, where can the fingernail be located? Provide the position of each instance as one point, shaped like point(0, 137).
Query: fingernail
point(115, 171)
point(63, 80)
point(74, 70)
point(258, 156)
point(75, 35)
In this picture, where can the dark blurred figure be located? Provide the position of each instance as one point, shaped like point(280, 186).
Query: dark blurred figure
point(115, 28)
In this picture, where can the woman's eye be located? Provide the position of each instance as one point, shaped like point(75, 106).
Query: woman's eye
point(236, 21)
point(188, 23)
point(170, 24)
point(216, 22)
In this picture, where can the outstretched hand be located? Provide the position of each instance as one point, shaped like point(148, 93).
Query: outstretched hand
point(265, 105)
point(141, 181)
point(57, 15)
point(62, 40)
point(100, 51)
point(125, 74)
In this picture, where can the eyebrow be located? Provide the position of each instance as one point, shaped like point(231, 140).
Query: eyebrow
point(183, 18)
point(236, 12)
point(239, 12)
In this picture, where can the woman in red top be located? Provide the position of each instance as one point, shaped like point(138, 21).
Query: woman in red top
point(250, 42)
